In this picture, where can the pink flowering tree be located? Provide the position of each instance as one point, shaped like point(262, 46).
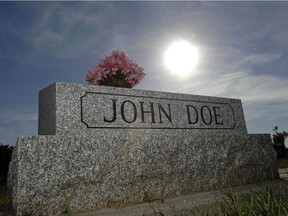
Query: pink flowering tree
point(116, 70)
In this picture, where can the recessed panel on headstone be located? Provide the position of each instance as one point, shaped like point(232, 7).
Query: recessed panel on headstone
point(105, 110)
point(83, 109)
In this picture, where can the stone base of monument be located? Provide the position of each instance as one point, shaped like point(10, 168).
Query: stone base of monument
point(109, 147)
point(97, 172)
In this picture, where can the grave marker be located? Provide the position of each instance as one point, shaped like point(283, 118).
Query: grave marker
point(82, 109)
point(109, 147)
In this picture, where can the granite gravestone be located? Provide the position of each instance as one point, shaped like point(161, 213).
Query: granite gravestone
point(69, 109)
point(108, 147)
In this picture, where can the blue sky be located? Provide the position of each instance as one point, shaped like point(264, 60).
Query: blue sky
point(243, 48)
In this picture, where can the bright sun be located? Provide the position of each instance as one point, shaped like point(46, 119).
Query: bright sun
point(181, 57)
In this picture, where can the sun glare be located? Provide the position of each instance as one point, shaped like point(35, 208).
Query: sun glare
point(181, 57)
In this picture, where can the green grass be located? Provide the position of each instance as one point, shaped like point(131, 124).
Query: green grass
point(67, 204)
point(283, 163)
point(270, 201)
point(4, 199)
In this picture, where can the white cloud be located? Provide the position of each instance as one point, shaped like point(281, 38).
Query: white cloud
point(48, 37)
point(14, 124)
point(258, 59)
point(70, 31)
point(9, 116)
point(242, 84)
point(271, 111)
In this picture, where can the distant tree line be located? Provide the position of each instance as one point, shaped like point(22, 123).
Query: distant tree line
point(5, 158)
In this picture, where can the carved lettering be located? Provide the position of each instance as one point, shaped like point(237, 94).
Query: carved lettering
point(114, 112)
point(189, 114)
point(132, 111)
point(161, 109)
point(147, 111)
point(123, 111)
point(217, 115)
point(206, 115)
point(206, 118)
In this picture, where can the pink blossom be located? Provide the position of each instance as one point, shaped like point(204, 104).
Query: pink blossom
point(112, 65)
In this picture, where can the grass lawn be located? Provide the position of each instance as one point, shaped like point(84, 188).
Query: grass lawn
point(283, 163)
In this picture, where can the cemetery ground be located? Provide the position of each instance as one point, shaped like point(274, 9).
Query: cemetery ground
point(266, 199)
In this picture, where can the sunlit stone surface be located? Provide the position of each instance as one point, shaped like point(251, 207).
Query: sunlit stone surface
point(72, 109)
point(108, 147)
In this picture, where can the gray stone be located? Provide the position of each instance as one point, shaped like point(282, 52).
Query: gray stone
point(68, 109)
point(123, 168)
point(105, 147)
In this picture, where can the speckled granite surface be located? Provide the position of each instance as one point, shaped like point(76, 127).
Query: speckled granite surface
point(109, 147)
point(68, 109)
point(119, 169)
